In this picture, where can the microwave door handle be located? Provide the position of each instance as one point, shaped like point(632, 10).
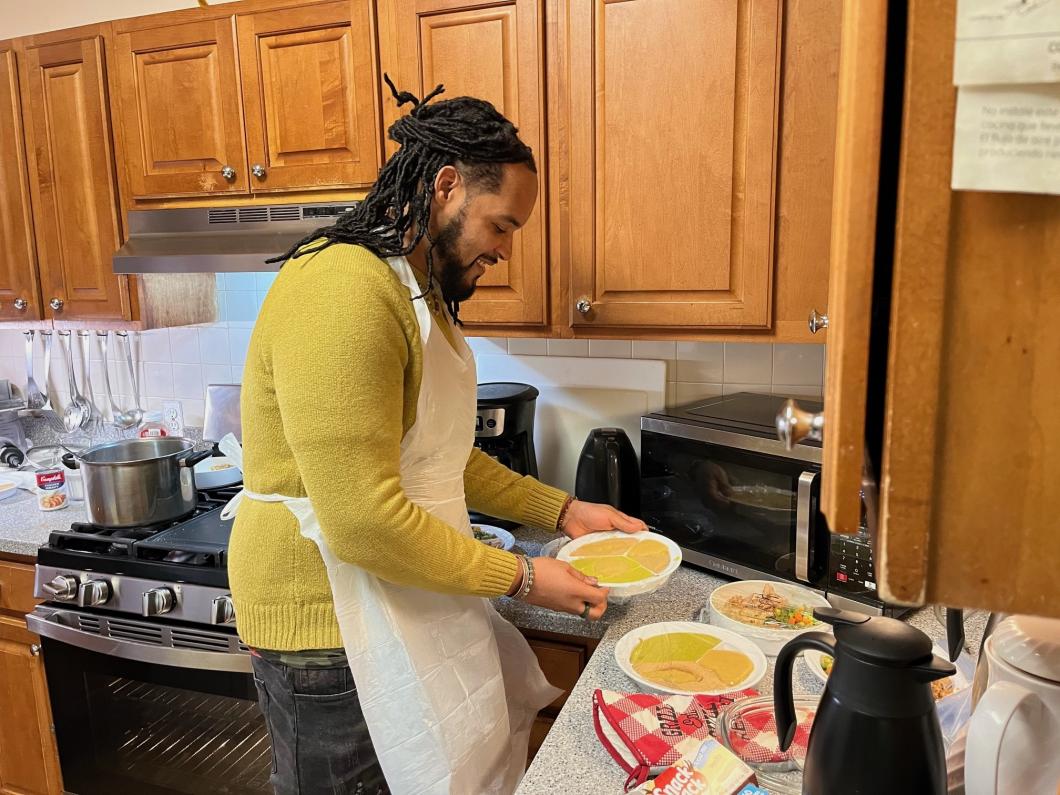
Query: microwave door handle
point(803, 520)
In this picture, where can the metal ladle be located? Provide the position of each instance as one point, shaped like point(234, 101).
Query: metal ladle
point(136, 412)
point(77, 413)
point(123, 419)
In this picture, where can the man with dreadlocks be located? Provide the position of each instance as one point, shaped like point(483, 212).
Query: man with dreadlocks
point(380, 663)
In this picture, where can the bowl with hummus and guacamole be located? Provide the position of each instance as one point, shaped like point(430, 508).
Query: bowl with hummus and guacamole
point(630, 564)
point(687, 657)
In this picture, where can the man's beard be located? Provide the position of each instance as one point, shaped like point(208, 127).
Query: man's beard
point(448, 269)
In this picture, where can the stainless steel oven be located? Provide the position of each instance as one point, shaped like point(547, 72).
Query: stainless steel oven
point(145, 707)
point(716, 480)
point(152, 691)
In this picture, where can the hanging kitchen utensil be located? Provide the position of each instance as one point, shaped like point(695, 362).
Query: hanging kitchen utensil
point(76, 413)
point(34, 398)
point(95, 416)
point(121, 418)
point(136, 413)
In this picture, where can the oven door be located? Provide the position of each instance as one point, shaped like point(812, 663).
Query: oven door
point(740, 512)
point(147, 707)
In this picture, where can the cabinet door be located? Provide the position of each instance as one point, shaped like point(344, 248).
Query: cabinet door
point(74, 198)
point(179, 109)
point(668, 115)
point(493, 52)
point(29, 762)
point(309, 94)
point(18, 266)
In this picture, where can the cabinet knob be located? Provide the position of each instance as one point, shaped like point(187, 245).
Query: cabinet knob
point(584, 305)
point(795, 424)
point(56, 304)
point(21, 304)
point(258, 170)
point(817, 321)
point(34, 649)
point(228, 173)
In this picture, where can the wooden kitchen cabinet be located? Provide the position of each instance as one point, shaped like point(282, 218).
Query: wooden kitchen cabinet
point(19, 296)
point(665, 159)
point(71, 167)
point(176, 90)
point(308, 96)
point(249, 98)
point(29, 760)
point(562, 659)
point(493, 51)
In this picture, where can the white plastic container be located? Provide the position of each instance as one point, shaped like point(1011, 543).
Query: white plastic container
point(770, 640)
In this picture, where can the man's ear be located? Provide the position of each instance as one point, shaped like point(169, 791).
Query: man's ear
point(448, 185)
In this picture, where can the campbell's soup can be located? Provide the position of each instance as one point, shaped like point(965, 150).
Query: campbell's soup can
point(51, 489)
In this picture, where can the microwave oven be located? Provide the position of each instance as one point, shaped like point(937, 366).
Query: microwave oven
point(716, 480)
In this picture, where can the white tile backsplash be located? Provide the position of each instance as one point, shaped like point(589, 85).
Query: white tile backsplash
point(611, 349)
point(748, 363)
point(179, 363)
point(527, 346)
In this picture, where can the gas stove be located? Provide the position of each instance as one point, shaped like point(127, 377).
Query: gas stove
point(177, 570)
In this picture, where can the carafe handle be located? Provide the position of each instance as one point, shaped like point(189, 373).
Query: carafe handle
point(613, 474)
point(783, 700)
point(986, 733)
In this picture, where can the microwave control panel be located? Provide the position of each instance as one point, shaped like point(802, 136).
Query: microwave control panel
point(851, 568)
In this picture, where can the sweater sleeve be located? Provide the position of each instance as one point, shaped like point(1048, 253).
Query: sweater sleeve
point(494, 489)
point(339, 387)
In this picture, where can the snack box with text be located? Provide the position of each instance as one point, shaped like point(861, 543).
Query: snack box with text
point(714, 770)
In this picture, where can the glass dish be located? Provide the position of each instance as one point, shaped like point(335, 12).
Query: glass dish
point(747, 728)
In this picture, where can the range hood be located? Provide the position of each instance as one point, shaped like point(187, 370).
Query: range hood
point(218, 239)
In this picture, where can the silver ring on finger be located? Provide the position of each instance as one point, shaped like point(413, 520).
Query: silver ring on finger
point(585, 611)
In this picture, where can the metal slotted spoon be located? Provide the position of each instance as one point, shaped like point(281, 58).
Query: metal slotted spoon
point(35, 399)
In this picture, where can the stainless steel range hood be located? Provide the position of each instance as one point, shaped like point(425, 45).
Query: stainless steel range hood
point(218, 239)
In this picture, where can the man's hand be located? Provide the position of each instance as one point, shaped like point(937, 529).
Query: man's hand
point(590, 517)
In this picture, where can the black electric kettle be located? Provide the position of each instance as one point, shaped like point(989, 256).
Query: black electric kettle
point(608, 471)
point(876, 729)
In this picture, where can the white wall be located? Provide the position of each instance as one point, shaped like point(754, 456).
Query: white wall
point(22, 17)
point(179, 363)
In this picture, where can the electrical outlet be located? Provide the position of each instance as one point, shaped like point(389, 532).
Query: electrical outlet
point(173, 417)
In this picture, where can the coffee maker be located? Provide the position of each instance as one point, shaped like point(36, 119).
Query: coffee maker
point(504, 429)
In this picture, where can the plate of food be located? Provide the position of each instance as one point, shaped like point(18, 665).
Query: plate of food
point(769, 613)
point(629, 564)
point(687, 657)
point(491, 536)
point(217, 472)
point(820, 666)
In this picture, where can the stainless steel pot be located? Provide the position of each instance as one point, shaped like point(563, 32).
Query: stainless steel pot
point(136, 482)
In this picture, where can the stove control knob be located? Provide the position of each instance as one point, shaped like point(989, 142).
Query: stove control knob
point(93, 593)
point(158, 601)
point(63, 588)
point(224, 611)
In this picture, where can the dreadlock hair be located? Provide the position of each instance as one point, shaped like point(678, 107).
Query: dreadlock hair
point(464, 132)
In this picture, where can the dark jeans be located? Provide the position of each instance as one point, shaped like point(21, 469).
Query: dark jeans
point(320, 743)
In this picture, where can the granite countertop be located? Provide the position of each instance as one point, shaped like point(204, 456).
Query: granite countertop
point(572, 758)
point(24, 527)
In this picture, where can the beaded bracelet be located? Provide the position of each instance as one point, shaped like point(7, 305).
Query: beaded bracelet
point(563, 513)
point(529, 579)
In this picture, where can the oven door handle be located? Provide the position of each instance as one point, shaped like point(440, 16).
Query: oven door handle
point(46, 623)
point(803, 518)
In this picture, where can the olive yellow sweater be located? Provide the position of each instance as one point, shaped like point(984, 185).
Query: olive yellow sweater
point(330, 388)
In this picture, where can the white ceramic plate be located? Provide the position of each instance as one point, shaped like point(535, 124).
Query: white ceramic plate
point(7, 489)
point(770, 639)
point(207, 477)
point(506, 539)
point(623, 590)
point(811, 658)
point(729, 640)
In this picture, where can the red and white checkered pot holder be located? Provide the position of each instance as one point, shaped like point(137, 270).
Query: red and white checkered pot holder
point(647, 733)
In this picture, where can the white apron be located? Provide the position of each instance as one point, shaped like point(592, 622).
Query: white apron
point(448, 688)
